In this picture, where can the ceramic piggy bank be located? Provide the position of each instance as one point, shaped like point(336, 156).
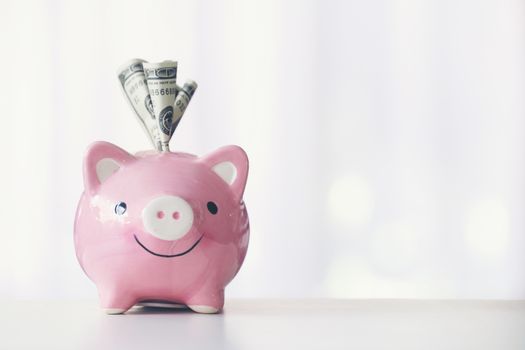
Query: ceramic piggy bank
point(162, 227)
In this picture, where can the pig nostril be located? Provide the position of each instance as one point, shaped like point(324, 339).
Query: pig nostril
point(160, 214)
point(176, 215)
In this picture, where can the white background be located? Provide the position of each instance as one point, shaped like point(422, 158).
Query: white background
point(385, 137)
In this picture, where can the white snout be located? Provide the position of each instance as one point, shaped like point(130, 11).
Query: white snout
point(168, 217)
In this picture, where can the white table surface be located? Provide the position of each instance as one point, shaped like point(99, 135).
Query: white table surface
point(269, 324)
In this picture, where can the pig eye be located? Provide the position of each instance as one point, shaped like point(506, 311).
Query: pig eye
point(212, 208)
point(120, 208)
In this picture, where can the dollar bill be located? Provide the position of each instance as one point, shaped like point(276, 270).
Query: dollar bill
point(161, 79)
point(133, 82)
point(181, 103)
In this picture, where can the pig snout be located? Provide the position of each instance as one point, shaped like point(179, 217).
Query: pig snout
point(168, 217)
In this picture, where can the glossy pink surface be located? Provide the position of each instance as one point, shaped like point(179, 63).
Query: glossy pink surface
point(181, 235)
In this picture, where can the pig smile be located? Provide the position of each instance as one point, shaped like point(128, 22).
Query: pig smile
point(168, 256)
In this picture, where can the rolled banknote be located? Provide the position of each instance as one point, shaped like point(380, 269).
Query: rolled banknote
point(181, 103)
point(161, 79)
point(134, 85)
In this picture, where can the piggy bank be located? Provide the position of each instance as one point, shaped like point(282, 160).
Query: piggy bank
point(162, 227)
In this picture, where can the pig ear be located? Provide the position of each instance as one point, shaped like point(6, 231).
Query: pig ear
point(230, 163)
point(102, 159)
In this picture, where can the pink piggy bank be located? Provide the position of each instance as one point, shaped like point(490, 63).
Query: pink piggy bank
point(162, 227)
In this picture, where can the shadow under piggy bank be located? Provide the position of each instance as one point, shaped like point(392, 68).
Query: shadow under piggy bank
point(150, 327)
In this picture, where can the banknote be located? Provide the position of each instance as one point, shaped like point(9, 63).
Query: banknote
point(133, 82)
point(161, 81)
point(181, 103)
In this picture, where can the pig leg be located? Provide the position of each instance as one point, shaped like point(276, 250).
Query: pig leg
point(207, 301)
point(115, 302)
